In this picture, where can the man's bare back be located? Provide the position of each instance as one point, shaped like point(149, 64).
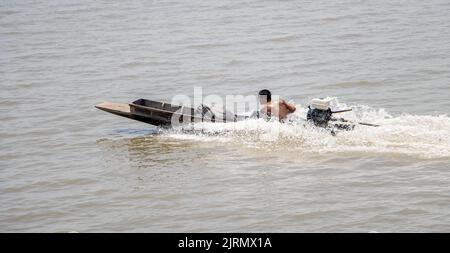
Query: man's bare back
point(278, 109)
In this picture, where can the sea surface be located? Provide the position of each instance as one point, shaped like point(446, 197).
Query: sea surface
point(67, 167)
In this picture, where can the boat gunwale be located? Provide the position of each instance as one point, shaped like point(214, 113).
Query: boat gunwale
point(165, 111)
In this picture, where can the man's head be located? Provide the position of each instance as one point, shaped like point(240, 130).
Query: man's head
point(264, 96)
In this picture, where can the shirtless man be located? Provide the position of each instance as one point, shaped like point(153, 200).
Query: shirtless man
point(278, 109)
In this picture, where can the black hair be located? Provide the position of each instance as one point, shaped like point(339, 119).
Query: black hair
point(266, 93)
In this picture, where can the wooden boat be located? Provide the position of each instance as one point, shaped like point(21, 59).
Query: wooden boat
point(161, 114)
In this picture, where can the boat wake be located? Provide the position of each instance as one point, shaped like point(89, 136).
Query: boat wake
point(425, 137)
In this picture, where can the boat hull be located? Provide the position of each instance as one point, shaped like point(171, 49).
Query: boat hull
point(162, 114)
point(125, 110)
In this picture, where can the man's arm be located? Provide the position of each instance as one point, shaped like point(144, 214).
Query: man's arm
point(291, 108)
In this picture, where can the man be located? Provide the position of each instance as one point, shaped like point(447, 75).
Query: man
point(278, 109)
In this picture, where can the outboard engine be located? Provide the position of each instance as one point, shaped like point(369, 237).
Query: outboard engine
point(319, 112)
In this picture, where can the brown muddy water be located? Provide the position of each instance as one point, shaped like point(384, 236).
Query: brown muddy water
point(65, 166)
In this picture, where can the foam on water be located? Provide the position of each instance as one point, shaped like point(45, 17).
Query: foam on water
point(422, 136)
